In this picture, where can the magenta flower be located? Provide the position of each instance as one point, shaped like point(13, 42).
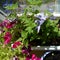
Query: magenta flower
point(5, 22)
point(26, 50)
point(16, 44)
point(34, 57)
point(7, 38)
point(28, 58)
point(8, 24)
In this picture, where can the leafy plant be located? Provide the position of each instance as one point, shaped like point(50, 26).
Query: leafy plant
point(17, 31)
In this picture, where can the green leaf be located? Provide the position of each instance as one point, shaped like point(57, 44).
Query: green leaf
point(24, 34)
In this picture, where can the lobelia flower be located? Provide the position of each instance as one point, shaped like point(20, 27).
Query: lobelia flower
point(16, 44)
point(7, 38)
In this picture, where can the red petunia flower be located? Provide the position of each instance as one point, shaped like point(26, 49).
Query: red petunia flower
point(7, 38)
point(16, 44)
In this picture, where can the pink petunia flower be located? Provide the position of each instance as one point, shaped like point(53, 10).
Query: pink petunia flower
point(28, 58)
point(7, 38)
point(16, 44)
point(34, 57)
point(8, 24)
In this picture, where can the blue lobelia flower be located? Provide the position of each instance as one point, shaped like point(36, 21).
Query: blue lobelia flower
point(41, 20)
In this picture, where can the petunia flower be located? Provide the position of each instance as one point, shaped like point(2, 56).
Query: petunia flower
point(34, 57)
point(26, 50)
point(4, 23)
point(8, 23)
point(7, 38)
point(16, 44)
point(28, 57)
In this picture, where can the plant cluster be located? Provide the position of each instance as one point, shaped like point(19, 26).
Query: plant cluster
point(17, 31)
